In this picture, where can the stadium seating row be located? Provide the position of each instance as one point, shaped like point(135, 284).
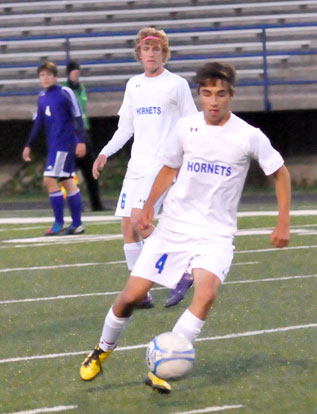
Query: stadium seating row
point(100, 35)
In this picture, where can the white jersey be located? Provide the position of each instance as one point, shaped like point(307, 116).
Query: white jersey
point(213, 162)
point(150, 109)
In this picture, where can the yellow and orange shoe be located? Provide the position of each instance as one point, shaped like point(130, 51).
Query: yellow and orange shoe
point(157, 384)
point(91, 366)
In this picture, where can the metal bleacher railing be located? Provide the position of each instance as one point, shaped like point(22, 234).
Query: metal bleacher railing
point(189, 54)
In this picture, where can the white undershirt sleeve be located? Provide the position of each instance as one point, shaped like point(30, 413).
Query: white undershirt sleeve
point(120, 137)
point(125, 129)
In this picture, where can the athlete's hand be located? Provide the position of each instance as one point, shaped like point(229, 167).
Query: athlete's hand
point(146, 219)
point(98, 166)
point(280, 236)
point(81, 149)
point(26, 154)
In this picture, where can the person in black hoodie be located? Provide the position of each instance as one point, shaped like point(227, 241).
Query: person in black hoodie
point(84, 164)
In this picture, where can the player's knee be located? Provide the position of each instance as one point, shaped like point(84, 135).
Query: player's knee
point(206, 298)
point(130, 298)
point(126, 226)
point(45, 182)
point(130, 235)
point(134, 225)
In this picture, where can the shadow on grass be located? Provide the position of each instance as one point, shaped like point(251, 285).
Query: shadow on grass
point(219, 373)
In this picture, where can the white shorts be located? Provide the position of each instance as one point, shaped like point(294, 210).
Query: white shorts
point(134, 193)
point(166, 256)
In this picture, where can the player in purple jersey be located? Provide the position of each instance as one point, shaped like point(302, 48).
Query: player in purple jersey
point(58, 111)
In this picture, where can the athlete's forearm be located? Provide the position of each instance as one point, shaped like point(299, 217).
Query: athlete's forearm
point(36, 127)
point(162, 183)
point(283, 195)
point(120, 137)
point(281, 234)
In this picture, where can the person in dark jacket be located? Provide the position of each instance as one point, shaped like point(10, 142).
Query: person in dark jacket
point(84, 164)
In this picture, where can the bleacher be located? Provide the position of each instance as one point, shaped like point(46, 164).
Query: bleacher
point(100, 35)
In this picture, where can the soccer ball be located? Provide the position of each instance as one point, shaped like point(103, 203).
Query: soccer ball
point(170, 355)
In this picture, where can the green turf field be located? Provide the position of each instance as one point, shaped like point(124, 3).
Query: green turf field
point(256, 354)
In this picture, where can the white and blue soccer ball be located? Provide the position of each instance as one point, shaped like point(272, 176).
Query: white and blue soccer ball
point(170, 355)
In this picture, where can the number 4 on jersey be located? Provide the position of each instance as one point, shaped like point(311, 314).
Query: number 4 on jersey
point(48, 111)
point(161, 263)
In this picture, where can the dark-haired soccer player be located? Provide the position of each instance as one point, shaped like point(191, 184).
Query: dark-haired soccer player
point(208, 155)
point(58, 111)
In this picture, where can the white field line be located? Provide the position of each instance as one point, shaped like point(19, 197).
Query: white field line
point(263, 232)
point(274, 213)
point(140, 346)
point(84, 295)
point(60, 239)
point(22, 228)
point(274, 249)
point(60, 297)
point(294, 226)
point(107, 237)
point(56, 409)
point(214, 409)
point(57, 240)
point(255, 333)
point(36, 220)
point(61, 266)
point(271, 279)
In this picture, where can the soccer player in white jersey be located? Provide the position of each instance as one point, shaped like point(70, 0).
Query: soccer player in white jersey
point(208, 155)
point(153, 102)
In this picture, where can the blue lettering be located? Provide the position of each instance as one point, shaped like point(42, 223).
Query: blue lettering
point(123, 200)
point(149, 110)
point(223, 168)
point(159, 265)
point(210, 168)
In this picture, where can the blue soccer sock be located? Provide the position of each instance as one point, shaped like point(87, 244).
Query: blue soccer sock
point(75, 205)
point(57, 203)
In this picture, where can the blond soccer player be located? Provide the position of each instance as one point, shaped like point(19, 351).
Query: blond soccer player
point(152, 104)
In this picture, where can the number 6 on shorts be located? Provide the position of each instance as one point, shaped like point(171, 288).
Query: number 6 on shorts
point(161, 263)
